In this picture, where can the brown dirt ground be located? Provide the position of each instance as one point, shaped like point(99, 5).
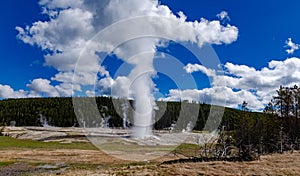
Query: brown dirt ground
point(89, 162)
point(275, 164)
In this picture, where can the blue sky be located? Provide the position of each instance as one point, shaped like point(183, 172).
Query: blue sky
point(264, 26)
point(263, 29)
point(20, 62)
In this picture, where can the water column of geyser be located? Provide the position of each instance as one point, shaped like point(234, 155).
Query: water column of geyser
point(142, 85)
point(143, 107)
point(125, 110)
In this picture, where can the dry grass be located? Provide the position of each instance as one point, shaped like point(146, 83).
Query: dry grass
point(57, 156)
point(275, 164)
point(28, 157)
point(90, 162)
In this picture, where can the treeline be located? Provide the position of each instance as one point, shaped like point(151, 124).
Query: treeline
point(61, 112)
point(277, 131)
point(57, 111)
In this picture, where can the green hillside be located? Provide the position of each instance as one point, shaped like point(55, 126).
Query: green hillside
point(60, 112)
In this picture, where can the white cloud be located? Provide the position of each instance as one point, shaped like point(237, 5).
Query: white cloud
point(67, 89)
point(223, 16)
point(292, 46)
point(68, 30)
point(218, 95)
point(53, 4)
point(120, 87)
point(7, 92)
point(90, 93)
point(190, 68)
point(243, 82)
point(40, 86)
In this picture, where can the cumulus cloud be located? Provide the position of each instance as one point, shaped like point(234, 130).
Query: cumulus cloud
point(120, 87)
point(190, 68)
point(53, 4)
point(66, 31)
point(292, 46)
point(242, 82)
point(39, 86)
point(217, 95)
point(42, 87)
point(7, 92)
point(223, 16)
point(90, 93)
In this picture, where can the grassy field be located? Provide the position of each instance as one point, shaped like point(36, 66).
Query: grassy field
point(28, 157)
point(8, 143)
point(6, 163)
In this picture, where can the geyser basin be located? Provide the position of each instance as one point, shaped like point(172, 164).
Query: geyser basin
point(119, 143)
point(137, 47)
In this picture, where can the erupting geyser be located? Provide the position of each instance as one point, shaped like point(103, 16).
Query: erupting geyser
point(124, 109)
point(143, 107)
point(142, 87)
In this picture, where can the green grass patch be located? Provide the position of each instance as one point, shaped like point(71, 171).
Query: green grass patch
point(9, 142)
point(134, 147)
point(187, 149)
point(185, 146)
point(6, 163)
point(81, 166)
point(202, 132)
